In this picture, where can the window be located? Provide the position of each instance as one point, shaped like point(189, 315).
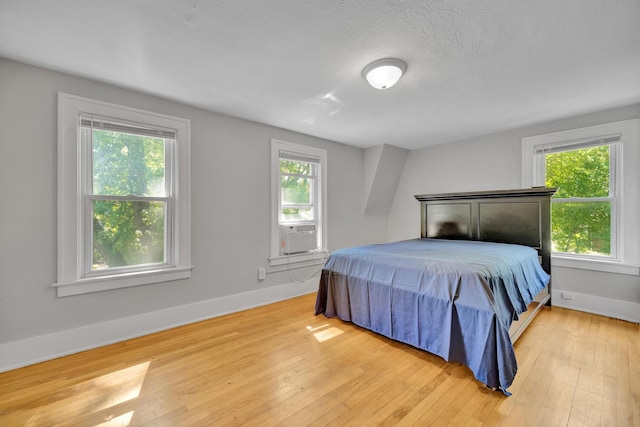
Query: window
point(592, 212)
point(297, 227)
point(298, 189)
point(123, 197)
point(584, 209)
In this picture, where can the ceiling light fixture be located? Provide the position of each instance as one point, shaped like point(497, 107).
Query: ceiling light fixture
point(384, 73)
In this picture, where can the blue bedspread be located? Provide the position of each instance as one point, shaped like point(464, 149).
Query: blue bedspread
point(455, 299)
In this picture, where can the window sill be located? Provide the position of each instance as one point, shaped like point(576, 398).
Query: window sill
point(595, 265)
point(319, 255)
point(105, 283)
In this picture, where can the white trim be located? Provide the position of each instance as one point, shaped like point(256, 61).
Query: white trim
point(70, 280)
point(106, 283)
point(595, 265)
point(617, 309)
point(627, 179)
point(16, 354)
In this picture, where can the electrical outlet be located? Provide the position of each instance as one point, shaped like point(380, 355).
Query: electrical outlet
point(566, 295)
point(262, 273)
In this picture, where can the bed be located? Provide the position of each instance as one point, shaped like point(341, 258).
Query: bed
point(465, 290)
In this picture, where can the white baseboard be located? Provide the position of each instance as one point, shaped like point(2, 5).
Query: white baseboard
point(16, 354)
point(618, 309)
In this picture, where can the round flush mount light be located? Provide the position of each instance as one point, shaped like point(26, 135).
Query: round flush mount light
point(384, 73)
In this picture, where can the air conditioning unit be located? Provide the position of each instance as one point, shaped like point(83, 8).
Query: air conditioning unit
point(298, 238)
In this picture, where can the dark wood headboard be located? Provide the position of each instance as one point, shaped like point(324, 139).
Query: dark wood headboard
point(505, 216)
point(520, 216)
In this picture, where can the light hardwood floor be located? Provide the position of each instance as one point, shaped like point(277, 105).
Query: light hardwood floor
point(281, 365)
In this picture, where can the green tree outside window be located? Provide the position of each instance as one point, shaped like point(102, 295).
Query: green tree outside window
point(127, 232)
point(297, 183)
point(581, 209)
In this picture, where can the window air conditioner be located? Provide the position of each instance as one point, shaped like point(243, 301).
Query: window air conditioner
point(298, 238)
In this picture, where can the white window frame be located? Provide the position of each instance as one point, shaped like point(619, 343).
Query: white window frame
point(73, 223)
point(613, 196)
point(320, 201)
point(625, 256)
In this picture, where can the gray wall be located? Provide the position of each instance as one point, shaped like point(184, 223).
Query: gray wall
point(230, 206)
point(230, 202)
point(495, 162)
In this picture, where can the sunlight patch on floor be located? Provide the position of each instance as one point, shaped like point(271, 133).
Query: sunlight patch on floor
point(120, 386)
point(122, 421)
point(324, 332)
point(95, 395)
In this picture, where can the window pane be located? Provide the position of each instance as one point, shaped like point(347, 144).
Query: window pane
point(125, 164)
point(296, 214)
point(579, 173)
point(295, 190)
point(127, 233)
point(295, 167)
point(581, 228)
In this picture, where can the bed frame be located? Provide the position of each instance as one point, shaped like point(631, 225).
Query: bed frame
point(505, 216)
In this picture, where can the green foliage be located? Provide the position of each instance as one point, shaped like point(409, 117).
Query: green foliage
point(127, 233)
point(296, 189)
point(295, 167)
point(579, 173)
point(581, 227)
point(125, 164)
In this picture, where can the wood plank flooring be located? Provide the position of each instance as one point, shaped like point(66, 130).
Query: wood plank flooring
point(279, 365)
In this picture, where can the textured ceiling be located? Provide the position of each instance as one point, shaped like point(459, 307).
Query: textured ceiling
point(474, 66)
